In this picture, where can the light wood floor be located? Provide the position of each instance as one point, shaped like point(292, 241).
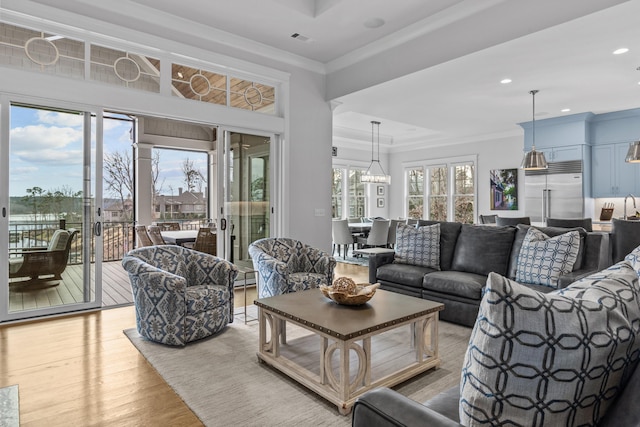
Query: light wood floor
point(82, 370)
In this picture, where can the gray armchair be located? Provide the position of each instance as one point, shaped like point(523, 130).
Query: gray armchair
point(180, 295)
point(287, 265)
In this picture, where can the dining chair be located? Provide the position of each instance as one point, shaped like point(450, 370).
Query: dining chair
point(341, 236)
point(378, 236)
point(143, 236)
point(205, 241)
point(513, 220)
point(154, 235)
point(570, 223)
point(488, 219)
point(393, 227)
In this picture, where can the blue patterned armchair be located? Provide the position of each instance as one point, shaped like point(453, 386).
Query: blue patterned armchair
point(287, 265)
point(180, 295)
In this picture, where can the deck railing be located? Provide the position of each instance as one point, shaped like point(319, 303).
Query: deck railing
point(118, 237)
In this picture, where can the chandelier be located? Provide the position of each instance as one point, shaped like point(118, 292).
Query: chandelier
point(375, 174)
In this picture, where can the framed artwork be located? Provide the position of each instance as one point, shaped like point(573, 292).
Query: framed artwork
point(504, 189)
point(380, 202)
point(380, 190)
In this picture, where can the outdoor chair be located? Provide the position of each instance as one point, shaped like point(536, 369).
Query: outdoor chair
point(205, 241)
point(286, 265)
point(154, 235)
point(169, 226)
point(180, 295)
point(143, 236)
point(44, 263)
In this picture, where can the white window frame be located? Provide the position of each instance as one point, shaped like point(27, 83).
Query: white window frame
point(346, 168)
point(450, 163)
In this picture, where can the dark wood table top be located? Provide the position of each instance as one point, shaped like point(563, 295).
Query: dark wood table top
point(312, 309)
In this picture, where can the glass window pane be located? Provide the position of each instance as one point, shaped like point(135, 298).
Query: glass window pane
point(464, 199)
point(438, 195)
point(356, 195)
point(415, 193)
point(336, 194)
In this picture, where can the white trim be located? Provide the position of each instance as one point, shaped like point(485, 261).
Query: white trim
point(98, 32)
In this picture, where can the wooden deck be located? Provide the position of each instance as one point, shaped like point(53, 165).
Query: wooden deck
point(116, 290)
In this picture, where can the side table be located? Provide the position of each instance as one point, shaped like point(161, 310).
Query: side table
point(245, 271)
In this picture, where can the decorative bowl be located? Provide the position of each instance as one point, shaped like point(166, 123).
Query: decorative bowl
point(363, 293)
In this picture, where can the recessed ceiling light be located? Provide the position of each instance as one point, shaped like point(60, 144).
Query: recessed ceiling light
point(620, 51)
point(374, 23)
point(505, 81)
point(565, 110)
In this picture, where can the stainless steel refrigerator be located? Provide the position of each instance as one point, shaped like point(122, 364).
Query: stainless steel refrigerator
point(556, 192)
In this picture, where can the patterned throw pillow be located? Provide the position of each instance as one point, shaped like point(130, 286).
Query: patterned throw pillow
point(418, 246)
point(557, 359)
point(634, 259)
point(543, 259)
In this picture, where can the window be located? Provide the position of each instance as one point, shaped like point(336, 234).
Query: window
point(348, 191)
point(449, 191)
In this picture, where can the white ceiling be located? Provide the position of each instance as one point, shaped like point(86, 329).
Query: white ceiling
point(457, 100)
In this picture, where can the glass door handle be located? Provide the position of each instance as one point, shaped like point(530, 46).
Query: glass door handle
point(97, 228)
point(223, 224)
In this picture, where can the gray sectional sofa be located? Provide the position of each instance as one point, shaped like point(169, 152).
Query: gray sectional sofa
point(468, 253)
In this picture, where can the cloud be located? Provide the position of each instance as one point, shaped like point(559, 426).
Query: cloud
point(41, 137)
point(60, 119)
point(51, 157)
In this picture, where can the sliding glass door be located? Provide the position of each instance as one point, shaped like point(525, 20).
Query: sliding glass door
point(51, 214)
point(247, 191)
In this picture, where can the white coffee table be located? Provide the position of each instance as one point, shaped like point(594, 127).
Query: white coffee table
point(341, 333)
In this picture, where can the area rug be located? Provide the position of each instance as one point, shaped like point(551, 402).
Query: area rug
point(9, 407)
point(363, 260)
point(223, 383)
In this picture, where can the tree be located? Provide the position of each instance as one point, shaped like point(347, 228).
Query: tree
point(118, 175)
point(192, 176)
point(32, 199)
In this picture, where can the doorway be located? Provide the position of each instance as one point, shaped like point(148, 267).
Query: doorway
point(49, 214)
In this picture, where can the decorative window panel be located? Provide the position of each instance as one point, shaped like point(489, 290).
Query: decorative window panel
point(39, 51)
point(125, 69)
point(198, 84)
point(251, 96)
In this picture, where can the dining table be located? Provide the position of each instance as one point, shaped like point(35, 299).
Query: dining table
point(179, 237)
point(360, 227)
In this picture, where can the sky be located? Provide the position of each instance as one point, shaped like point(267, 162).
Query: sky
point(46, 152)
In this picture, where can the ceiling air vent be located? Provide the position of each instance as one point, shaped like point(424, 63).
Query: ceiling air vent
point(300, 37)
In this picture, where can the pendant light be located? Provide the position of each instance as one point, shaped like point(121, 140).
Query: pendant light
point(375, 174)
point(633, 155)
point(534, 160)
